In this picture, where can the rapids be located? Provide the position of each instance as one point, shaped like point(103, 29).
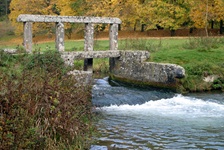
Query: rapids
point(131, 118)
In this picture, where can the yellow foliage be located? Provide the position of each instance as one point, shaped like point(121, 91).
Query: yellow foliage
point(166, 14)
point(40, 7)
point(170, 14)
point(213, 8)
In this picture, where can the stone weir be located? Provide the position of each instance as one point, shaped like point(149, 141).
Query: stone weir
point(132, 67)
point(125, 66)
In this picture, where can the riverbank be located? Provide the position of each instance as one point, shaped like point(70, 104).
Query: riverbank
point(201, 57)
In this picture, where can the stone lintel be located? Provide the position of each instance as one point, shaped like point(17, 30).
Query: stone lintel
point(92, 54)
point(70, 19)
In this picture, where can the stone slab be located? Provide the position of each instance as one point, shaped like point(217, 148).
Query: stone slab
point(71, 19)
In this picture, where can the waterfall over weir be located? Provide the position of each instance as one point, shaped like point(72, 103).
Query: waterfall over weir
point(133, 118)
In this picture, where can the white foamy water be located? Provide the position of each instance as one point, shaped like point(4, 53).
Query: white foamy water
point(178, 106)
point(133, 118)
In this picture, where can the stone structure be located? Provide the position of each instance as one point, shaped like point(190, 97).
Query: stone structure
point(126, 66)
point(84, 78)
point(131, 67)
point(69, 57)
point(59, 20)
point(59, 40)
point(60, 35)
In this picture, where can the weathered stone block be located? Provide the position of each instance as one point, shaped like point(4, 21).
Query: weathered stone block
point(131, 67)
point(83, 78)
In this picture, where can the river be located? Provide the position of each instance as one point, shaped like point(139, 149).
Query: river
point(132, 118)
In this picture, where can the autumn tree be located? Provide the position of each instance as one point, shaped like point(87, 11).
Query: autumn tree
point(126, 10)
point(4, 7)
point(151, 14)
point(204, 12)
point(168, 14)
point(72, 8)
point(40, 7)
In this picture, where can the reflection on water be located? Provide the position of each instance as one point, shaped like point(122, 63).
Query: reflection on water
point(157, 119)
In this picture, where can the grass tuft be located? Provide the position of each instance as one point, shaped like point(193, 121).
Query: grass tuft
point(140, 44)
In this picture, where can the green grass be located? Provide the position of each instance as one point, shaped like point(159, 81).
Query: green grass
point(199, 61)
point(69, 45)
point(199, 56)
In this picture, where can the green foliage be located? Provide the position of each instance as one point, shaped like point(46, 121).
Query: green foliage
point(4, 58)
point(218, 84)
point(49, 61)
point(40, 108)
point(200, 69)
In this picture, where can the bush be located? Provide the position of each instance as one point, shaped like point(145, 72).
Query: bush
point(218, 84)
point(40, 108)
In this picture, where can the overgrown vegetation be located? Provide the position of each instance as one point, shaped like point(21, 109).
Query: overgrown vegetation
point(40, 108)
point(200, 56)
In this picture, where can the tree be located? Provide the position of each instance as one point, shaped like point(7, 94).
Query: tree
point(203, 12)
point(126, 10)
point(4, 7)
point(40, 7)
point(168, 14)
point(72, 8)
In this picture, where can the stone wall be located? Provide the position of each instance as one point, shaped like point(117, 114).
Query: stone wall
point(131, 67)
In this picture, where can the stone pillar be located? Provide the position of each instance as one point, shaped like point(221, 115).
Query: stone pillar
point(88, 46)
point(27, 37)
point(60, 35)
point(113, 42)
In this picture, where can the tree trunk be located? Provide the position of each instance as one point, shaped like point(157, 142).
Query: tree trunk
point(135, 26)
point(6, 8)
point(172, 32)
point(206, 20)
point(142, 28)
point(119, 27)
point(191, 30)
point(212, 24)
point(221, 27)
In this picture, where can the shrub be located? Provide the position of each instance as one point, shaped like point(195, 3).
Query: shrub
point(42, 109)
point(218, 84)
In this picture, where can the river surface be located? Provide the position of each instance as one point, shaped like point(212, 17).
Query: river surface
point(131, 118)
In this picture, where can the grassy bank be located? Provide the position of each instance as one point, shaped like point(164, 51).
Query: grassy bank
point(200, 56)
point(40, 108)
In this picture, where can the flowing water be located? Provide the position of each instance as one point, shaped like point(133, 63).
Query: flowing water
point(131, 118)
